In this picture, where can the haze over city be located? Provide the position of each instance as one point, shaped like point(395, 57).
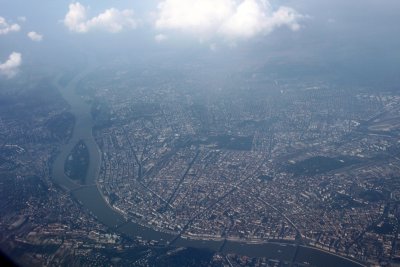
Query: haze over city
point(200, 133)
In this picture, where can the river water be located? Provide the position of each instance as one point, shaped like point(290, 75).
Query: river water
point(91, 199)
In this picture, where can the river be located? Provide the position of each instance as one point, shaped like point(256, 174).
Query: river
point(91, 199)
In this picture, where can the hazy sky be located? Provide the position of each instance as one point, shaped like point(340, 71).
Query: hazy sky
point(362, 35)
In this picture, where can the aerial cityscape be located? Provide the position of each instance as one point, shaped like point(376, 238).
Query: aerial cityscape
point(246, 144)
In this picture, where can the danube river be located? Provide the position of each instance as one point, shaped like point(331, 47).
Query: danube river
point(91, 199)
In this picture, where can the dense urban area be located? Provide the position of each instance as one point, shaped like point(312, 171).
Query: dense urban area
point(240, 156)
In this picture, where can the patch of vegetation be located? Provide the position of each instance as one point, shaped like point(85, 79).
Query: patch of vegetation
point(77, 163)
point(371, 195)
point(319, 164)
point(61, 125)
point(342, 201)
point(265, 178)
point(385, 227)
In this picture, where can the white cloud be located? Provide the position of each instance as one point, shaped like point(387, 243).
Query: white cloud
point(231, 19)
point(197, 15)
point(34, 36)
point(160, 38)
point(111, 20)
point(6, 28)
point(22, 19)
point(11, 66)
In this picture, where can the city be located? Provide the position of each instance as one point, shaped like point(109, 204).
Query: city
point(215, 133)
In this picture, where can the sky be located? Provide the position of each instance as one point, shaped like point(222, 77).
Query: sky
point(358, 37)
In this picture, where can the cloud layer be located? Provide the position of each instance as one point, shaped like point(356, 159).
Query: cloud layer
point(232, 19)
point(160, 38)
point(34, 36)
point(111, 20)
point(6, 28)
point(11, 66)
